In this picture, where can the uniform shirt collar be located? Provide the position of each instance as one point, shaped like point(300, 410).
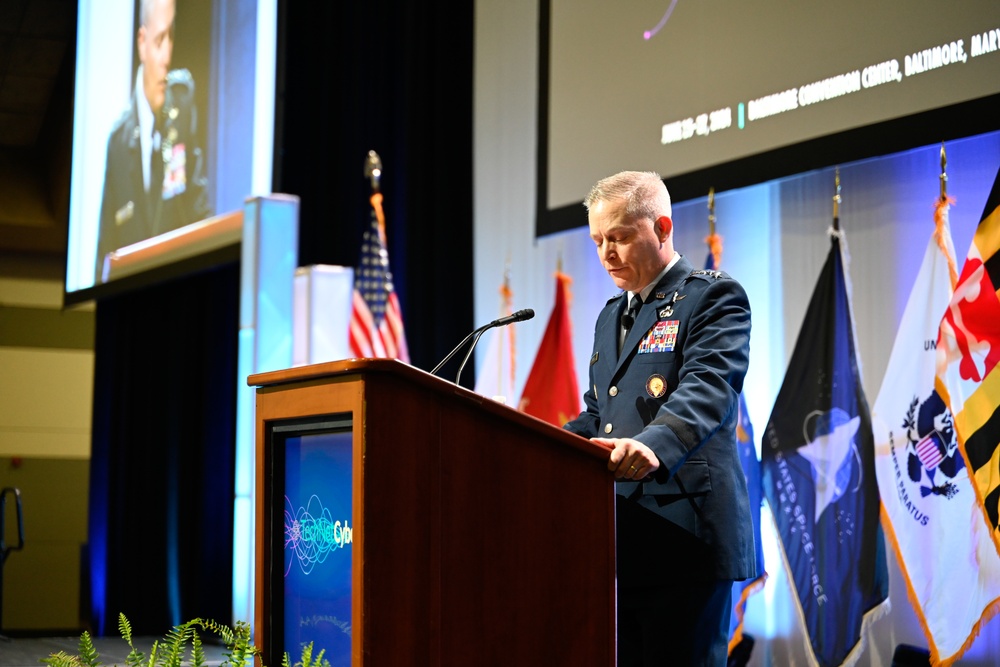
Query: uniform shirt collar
point(644, 292)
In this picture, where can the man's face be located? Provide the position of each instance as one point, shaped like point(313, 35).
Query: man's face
point(633, 252)
point(156, 46)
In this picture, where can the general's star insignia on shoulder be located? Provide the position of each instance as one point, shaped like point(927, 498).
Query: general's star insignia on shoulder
point(707, 272)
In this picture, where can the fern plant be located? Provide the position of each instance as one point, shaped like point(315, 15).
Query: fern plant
point(170, 651)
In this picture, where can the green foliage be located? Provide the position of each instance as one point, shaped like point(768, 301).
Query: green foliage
point(88, 654)
point(170, 651)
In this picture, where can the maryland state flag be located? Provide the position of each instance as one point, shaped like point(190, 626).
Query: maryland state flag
point(819, 478)
point(742, 590)
point(927, 496)
point(968, 349)
point(551, 391)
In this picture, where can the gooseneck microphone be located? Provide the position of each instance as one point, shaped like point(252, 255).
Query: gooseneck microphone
point(519, 316)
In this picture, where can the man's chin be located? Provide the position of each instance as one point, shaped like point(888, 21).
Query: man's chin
point(621, 284)
point(157, 98)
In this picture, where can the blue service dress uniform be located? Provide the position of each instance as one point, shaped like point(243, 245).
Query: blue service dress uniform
point(128, 213)
point(675, 388)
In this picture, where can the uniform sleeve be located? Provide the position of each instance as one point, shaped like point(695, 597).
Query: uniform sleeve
point(587, 423)
point(715, 356)
point(106, 237)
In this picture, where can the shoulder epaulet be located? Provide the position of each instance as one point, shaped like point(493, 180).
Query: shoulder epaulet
point(616, 296)
point(707, 274)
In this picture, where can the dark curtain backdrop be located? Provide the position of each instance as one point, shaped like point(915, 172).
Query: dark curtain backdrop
point(394, 77)
point(163, 452)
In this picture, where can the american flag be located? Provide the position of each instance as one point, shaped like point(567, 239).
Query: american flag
point(376, 319)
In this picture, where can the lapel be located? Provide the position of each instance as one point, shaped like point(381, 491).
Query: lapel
point(661, 295)
point(608, 328)
point(137, 191)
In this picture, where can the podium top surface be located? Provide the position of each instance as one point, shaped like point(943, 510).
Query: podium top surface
point(402, 372)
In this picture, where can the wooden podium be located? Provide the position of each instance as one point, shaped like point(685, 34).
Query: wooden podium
point(480, 535)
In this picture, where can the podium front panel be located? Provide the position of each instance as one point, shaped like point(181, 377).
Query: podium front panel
point(311, 464)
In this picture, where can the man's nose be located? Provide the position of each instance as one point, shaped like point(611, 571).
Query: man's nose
point(166, 51)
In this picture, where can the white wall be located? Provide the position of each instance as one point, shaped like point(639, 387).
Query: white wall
point(775, 243)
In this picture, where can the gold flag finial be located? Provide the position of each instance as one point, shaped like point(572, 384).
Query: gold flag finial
point(711, 211)
point(836, 199)
point(944, 176)
point(373, 169)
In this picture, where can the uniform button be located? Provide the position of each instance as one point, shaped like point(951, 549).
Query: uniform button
point(613, 391)
point(607, 428)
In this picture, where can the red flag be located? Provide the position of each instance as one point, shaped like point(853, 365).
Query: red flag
point(376, 329)
point(551, 391)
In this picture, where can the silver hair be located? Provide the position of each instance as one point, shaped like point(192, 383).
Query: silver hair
point(643, 193)
point(145, 9)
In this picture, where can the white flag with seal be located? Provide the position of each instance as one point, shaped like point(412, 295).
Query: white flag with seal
point(930, 514)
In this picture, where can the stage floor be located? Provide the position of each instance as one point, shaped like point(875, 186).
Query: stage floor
point(111, 651)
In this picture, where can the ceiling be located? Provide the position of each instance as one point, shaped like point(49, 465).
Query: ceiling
point(37, 56)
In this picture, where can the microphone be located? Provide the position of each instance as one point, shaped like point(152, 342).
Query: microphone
point(519, 316)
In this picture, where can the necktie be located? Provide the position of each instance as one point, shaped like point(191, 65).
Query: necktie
point(628, 318)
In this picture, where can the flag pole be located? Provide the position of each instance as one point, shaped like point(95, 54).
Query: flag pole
point(713, 240)
point(940, 212)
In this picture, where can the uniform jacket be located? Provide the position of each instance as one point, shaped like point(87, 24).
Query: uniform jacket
point(675, 388)
point(128, 213)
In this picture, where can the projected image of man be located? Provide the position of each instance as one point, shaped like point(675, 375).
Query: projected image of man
point(154, 179)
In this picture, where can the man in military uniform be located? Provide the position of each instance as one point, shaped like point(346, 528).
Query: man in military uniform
point(154, 179)
point(666, 406)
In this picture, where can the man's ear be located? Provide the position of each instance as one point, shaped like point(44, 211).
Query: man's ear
point(664, 227)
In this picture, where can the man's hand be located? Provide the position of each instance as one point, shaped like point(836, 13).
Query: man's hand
point(630, 459)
